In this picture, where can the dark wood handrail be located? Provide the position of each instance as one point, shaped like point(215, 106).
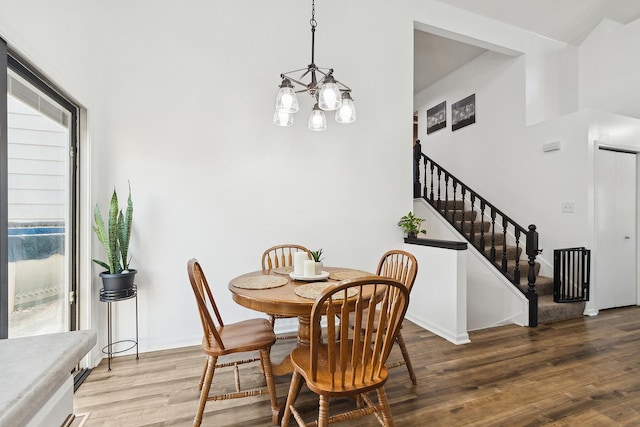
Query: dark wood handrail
point(490, 235)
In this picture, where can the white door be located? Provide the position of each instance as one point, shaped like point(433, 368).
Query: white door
point(615, 258)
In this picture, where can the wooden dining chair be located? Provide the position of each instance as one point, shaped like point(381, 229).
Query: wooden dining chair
point(402, 266)
point(253, 335)
point(281, 256)
point(350, 367)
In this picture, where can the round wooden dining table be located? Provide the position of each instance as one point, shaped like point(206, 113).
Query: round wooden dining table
point(283, 300)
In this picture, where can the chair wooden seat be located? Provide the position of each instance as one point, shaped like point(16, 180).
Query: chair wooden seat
point(246, 335)
point(254, 335)
point(349, 367)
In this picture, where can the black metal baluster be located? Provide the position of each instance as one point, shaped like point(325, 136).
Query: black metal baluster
point(446, 195)
point(424, 188)
point(504, 243)
point(452, 219)
point(516, 270)
point(482, 242)
point(431, 194)
point(492, 253)
point(439, 184)
point(463, 191)
point(472, 232)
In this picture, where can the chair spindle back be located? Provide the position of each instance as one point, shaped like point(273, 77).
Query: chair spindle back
point(399, 265)
point(281, 256)
point(203, 293)
point(378, 306)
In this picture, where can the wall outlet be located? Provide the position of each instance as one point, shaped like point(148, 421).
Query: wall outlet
point(567, 207)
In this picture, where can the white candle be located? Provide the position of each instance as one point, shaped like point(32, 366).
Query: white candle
point(298, 262)
point(309, 268)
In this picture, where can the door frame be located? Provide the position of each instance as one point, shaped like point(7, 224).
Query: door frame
point(601, 145)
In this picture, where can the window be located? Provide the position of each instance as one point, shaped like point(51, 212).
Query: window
point(38, 203)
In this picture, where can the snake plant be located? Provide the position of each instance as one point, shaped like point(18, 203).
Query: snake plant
point(115, 236)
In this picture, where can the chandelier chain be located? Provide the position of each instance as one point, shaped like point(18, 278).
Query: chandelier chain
point(313, 21)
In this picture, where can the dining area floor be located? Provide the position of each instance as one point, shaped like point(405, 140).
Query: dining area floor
point(583, 371)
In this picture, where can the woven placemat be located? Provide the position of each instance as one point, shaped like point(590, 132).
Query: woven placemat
point(348, 274)
point(260, 282)
point(283, 270)
point(312, 290)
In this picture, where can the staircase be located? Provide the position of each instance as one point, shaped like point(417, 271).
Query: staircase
point(496, 236)
point(548, 310)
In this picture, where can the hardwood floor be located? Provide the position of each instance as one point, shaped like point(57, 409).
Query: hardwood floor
point(583, 371)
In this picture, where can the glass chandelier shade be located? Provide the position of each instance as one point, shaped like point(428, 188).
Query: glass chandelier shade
point(287, 100)
point(347, 112)
point(329, 98)
point(317, 119)
point(282, 119)
point(328, 94)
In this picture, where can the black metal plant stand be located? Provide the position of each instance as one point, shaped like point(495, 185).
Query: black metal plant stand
point(111, 297)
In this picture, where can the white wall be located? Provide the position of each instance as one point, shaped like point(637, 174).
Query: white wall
point(439, 295)
point(180, 98)
point(609, 70)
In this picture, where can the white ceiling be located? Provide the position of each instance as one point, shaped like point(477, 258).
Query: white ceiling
point(569, 21)
point(434, 57)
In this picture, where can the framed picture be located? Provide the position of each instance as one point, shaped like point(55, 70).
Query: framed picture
point(463, 112)
point(437, 117)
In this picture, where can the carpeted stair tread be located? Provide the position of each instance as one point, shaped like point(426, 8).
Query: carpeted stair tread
point(477, 226)
point(550, 311)
point(499, 238)
point(449, 204)
point(458, 214)
point(511, 253)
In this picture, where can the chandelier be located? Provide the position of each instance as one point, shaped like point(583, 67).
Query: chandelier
point(327, 93)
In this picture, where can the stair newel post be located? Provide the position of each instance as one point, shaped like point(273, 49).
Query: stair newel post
point(532, 253)
point(417, 154)
point(431, 193)
point(472, 233)
point(492, 252)
point(504, 242)
point(516, 271)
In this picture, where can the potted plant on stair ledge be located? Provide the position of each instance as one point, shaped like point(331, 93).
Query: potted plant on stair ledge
point(410, 224)
point(115, 238)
